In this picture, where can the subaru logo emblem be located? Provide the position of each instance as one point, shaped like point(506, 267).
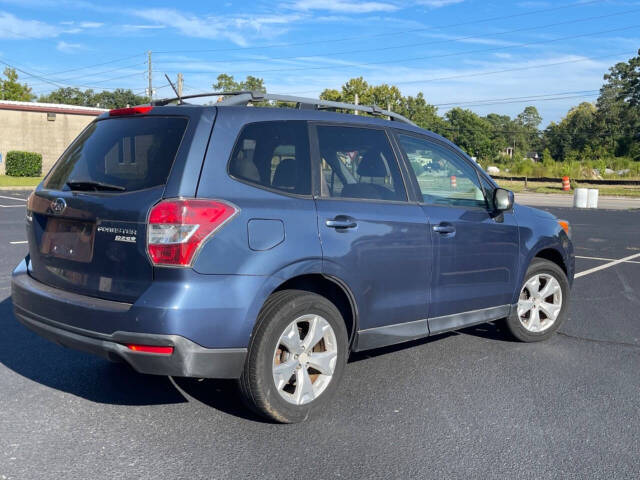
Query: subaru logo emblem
point(58, 205)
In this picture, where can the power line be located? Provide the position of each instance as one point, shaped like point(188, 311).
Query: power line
point(412, 59)
point(550, 99)
point(66, 80)
point(376, 35)
point(493, 72)
point(527, 97)
point(60, 85)
point(516, 69)
point(95, 65)
point(436, 42)
point(475, 74)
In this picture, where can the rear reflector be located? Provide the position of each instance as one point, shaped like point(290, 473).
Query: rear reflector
point(119, 112)
point(150, 349)
point(178, 228)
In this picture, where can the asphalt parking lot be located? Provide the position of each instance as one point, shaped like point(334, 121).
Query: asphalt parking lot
point(464, 405)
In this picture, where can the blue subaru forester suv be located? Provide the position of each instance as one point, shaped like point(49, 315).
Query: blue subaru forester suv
point(266, 244)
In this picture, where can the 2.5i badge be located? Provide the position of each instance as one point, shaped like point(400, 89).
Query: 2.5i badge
point(121, 234)
point(125, 238)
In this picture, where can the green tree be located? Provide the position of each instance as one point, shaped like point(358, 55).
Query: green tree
point(472, 133)
point(573, 133)
point(502, 126)
point(547, 159)
point(331, 94)
point(226, 83)
point(69, 96)
point(618, 115)
point(422, 113)
point(530, 118)
point(118, 98)
point(11, 89)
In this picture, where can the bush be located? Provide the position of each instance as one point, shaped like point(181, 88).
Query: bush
point(23, 164)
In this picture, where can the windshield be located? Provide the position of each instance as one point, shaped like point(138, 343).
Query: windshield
point(125, 154)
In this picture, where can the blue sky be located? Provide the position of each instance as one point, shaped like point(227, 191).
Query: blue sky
point(489, 56)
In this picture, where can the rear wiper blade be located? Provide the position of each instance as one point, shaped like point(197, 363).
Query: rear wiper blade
point(93, 185)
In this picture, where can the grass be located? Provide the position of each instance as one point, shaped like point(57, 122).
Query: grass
point(553, 187)
point(7, 181)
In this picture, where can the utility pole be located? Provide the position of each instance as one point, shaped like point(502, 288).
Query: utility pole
point(150, 76)
point(180, 83)
point(357, 102)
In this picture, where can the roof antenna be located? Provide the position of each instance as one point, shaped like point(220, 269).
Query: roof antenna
point(174, 89)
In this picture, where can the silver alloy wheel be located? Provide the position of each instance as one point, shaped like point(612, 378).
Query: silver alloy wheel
point(305, 359)
point(540, 302)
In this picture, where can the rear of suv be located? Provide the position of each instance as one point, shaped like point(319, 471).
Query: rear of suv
point(266, 244)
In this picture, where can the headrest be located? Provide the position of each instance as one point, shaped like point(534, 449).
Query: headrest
point(286, 174)
point(372, 165)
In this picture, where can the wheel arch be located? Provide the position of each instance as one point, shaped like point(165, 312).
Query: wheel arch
point(307, 275)
point(553, 255)
point(550, 251)
point(331, 288)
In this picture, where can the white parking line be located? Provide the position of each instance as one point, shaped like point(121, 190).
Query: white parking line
point(604, 259)
point(11, 206)
point(19, 242)
point(14, 198)
point(606, 265)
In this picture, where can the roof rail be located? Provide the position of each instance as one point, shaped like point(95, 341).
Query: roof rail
point(247, 96)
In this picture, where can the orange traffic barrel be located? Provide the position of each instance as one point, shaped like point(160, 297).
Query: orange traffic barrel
point(454, 183)
point(566, 185)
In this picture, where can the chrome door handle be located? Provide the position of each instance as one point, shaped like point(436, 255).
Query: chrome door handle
point(341, 222)
point(444, 228)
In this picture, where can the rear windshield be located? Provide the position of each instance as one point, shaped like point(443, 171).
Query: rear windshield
point(131, 153)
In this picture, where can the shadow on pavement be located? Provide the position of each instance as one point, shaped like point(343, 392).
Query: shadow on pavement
point(77, 373)
point(102, 381)
point(223, 395)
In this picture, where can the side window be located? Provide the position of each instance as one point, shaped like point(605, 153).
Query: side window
point(444, 178)
point(358, 163)
point(274, 155)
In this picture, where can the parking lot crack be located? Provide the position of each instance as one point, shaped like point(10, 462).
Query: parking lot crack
point(596, 340)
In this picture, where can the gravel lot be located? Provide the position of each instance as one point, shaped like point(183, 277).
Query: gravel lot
point(464, 405)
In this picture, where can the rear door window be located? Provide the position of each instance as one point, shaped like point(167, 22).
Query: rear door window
point(130, 153)
point(274, 155)
point(358, 163)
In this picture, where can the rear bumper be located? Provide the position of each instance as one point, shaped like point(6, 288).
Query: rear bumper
point(39, 308)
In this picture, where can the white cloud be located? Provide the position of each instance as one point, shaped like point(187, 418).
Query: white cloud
point(236, 29)
point(345, 6)
point(143, 27)
point(438, 3)
point(461, 83)
point(14, 27)
point(91, 24)
point(66, 47)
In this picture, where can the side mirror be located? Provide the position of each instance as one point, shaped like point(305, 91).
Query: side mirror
point(502, 199)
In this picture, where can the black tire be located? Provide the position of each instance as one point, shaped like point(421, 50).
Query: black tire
point(257, 385)
point(513, 324)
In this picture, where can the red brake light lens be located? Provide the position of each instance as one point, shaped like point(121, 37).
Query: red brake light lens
point(177, 228)
point(119, 112)
point(150, 349)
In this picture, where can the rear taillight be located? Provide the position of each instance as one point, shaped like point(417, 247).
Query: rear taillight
point(119, 112)
point(178, 228)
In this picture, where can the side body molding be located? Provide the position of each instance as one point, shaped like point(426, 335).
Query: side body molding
point(404, 332)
